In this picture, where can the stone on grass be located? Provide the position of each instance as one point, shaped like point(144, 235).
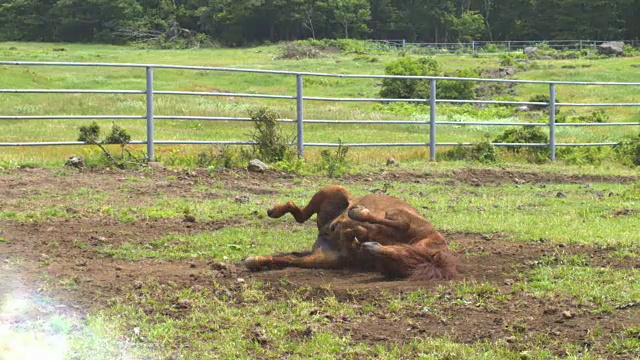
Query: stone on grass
point(256, 165)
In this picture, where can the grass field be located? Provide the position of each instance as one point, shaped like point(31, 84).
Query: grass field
point(613, 69)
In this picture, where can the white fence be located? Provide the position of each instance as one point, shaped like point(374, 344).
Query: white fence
point(300, 99)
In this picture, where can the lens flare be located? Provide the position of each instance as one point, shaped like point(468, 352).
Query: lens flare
point(33, 328)
point(30, 328)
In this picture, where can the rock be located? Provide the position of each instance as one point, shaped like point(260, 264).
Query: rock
point(156, 165)
point(530, 50)
point(546, 57)
point(392, 162)
point(508, 71)
point(75, 162)
point(182, 304)
point(561, 195)
point(241, 199)
point(611, 48)
point(522, 108)
point(301, 333)
point(256, 165)
point(260, 337)
point(568, 314)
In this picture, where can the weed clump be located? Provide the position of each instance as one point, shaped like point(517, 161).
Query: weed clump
point(90, 134)
point(298, 50)
point(271, 143)
point(335, 163)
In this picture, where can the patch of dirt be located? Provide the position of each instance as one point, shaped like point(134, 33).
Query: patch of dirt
point(490, 177)
point(67, 252)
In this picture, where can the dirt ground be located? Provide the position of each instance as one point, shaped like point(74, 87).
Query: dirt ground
point(26, 251)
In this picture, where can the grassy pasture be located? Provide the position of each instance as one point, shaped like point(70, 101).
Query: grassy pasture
point(264, 58)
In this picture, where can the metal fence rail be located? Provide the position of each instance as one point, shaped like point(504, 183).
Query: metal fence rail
point(485, 46)
point(299, 97)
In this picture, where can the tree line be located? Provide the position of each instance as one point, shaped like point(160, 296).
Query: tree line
point(243, 22)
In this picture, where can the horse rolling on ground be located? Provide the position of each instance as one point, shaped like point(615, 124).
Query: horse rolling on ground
point(372, 232)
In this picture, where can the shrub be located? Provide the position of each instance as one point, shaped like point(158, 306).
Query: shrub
point(482, 152)
point(409, 88)
point(525, 135)
point(458, 89)
point(420, 89)
point(598, 116)
point(507, 60)
point(583, 155)
point(272, 145)
point(628, 152)
point(91, 135)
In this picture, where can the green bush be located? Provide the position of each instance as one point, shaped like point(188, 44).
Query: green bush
point(583, 155)
point(483, 152)
point(628, 152)
point(525, 135)
point(409, 88)
point(598, 116)
point(458, 89)
point(507, 60)
point(420, 89)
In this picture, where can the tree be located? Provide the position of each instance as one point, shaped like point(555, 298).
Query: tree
point(24, 20)
point(469, 26)
point(90, 20)
point(352, 14)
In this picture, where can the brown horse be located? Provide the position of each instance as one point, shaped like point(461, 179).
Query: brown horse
point(370, 232)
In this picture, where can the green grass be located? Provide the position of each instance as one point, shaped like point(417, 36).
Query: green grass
point(604, 289)
point(228, 244)
point(618, 69)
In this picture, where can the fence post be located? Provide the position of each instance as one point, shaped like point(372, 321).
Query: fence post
point(580, 43)
point(300, 116)
point(432, 120)
point(473, 47)
point(150, 146)
point(404, 44)
point(552, 121)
